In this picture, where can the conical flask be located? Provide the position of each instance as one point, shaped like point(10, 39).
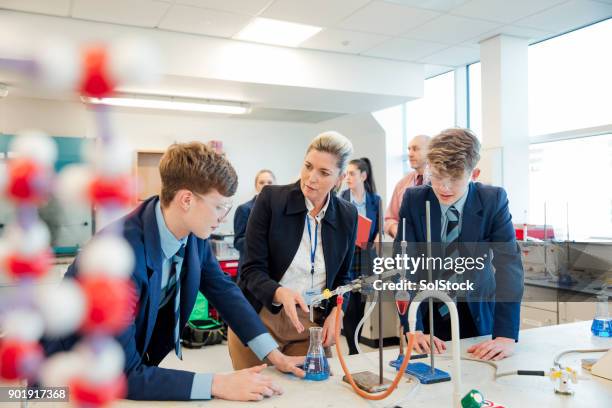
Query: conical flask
point(602, 323)
point(316, 366)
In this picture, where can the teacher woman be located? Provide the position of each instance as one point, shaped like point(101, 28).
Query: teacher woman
point(300, 240)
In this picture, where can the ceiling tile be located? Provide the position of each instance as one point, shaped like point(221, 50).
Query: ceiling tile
point(439, 5)
point(529, 33)
point(453, 56)
point(504, 11)
point(250, 7)
point(404, 49)
point(203, 21)
point(352, 42)
point(569, 16)
point(53, 7)
point(450, 29)
point(322, 13)
point(143, 13)
point(387, 18)
point(433, 70)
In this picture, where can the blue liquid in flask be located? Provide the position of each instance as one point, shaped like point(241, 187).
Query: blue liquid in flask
point(602, 327)
point(602, 323)
point(316, 366)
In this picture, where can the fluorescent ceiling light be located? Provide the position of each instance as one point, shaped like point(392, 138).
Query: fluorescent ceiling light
point(171, 103)
point(268, 31)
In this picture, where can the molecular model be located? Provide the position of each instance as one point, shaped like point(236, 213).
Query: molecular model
point(93, 306)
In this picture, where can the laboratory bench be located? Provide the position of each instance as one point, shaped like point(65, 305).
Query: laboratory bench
point(535, 351)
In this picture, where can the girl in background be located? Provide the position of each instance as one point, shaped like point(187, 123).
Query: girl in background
point(361, 193)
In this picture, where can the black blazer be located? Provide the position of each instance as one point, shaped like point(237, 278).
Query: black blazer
point(274, 233)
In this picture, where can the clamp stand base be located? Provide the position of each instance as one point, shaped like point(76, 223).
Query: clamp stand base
point(369, 382)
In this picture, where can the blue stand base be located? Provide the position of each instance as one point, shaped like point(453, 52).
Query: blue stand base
point(422, 372)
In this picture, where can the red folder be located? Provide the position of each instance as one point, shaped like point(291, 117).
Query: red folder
point(364, 224)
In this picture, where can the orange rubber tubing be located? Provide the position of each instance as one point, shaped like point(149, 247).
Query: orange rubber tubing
point(359, 391)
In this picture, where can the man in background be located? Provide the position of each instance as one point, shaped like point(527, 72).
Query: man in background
point(417, 155)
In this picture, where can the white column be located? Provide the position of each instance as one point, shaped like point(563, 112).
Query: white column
point(505, 132)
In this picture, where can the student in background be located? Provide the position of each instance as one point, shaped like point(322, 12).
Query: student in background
point(417, 155)
point(300, 240)
point(263, 178)
point(361, 193)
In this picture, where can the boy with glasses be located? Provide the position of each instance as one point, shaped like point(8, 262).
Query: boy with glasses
point(169, 237)
point(467, 218)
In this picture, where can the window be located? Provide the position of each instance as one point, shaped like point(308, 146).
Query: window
point(570, 81)
point(570, 85)
point(475, 99)
point(570, 95)
point(435, 111)
point(428, 115)
point(571, 178)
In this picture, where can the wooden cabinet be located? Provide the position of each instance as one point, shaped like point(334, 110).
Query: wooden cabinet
point(146, 169)
point(532, 318)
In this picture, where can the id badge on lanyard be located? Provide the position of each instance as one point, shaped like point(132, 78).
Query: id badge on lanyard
point(311, 292)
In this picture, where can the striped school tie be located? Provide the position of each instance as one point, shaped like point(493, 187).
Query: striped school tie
point(452, 232)
point(451, 247)
point(175, 276)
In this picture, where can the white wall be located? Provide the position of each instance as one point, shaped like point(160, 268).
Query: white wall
point(368, 141)
point(249, 144)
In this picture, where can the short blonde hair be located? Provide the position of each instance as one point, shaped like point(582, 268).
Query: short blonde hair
point(333, 143)
point(453, 152)
point(196, 167)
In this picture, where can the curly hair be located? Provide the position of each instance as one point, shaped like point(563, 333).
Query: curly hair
point(197, 167)
point(453, 152)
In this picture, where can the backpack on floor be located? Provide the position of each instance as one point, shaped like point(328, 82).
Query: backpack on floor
point(202, 330)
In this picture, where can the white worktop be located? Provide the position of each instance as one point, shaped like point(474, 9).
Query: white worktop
point(535, 351)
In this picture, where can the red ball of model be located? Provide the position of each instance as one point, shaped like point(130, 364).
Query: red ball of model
point(19, 359)
point(112, 191)
point(96, 81)
point(110, 304)
point(21, 266)
point(27, 182)
point(87, 393)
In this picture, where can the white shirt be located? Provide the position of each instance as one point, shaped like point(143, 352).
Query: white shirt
point(298, 277)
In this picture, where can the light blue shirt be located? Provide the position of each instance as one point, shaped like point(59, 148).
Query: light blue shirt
point(361, 206)
point(261, 345)
point(443, 210)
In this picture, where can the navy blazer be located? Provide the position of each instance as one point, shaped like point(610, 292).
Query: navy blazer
point(241, 218)
point(485, 219)
point(372, 210)
point(201, 272)
point(274, 233)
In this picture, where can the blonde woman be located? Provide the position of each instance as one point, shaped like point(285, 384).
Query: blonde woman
point(300, 240)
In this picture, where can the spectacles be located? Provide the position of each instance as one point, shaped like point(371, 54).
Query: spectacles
point(444, 180)
point(222, 209)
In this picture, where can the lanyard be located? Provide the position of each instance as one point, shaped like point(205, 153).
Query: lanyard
point(312, 250)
